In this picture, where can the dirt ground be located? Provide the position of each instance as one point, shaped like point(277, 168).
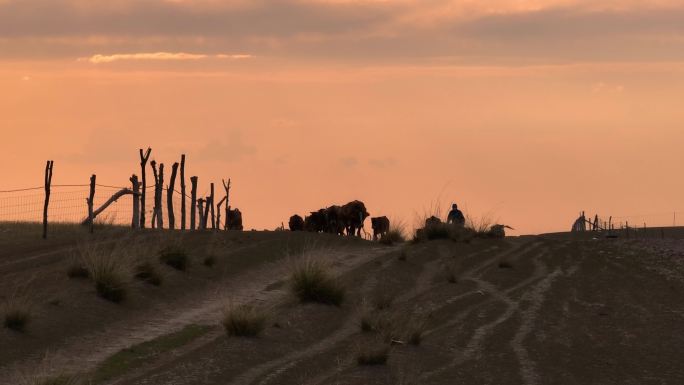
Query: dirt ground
point(524, 310)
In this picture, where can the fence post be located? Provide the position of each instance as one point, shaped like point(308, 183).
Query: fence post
point(200, 207)
point(143, 164)
point(169, 196)
point(226, 186)
point(193, 201)
point(213, 217)
point(182, 183)
point(135, 223)
point(90, 203)
point(48, 182)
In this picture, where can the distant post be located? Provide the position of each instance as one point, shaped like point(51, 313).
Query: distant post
point(48, 183)
point(200, 207)
point(143, 164)
point(160, 188)
point(90, 203)
point(135, 223)
point(193, 201)
point(213, 217)
point(226, 186)
point(182, 184)
point(169, 196)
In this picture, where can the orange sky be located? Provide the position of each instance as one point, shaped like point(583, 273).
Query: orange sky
point(528, 111)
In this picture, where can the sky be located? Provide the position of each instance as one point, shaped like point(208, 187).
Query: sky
point(523, 112)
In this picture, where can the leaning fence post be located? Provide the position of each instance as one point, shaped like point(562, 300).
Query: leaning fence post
point(48, 182)
point(226, 186)
point(135, 223)
point(169, 196)
point(182, 184)
point(90, 203)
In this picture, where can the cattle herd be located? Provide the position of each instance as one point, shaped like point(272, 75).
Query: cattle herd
point(346, 219)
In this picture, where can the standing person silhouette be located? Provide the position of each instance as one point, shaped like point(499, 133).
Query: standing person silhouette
point(456, 216)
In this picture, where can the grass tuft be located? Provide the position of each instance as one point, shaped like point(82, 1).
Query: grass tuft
point(146, 272)
point(394, 235)
point(109, 270)
point(372, 353)
point(16, 311)
point(244, 321)
point(312, 282)
point(209, 261)
point(174, 256)
point(77, 270)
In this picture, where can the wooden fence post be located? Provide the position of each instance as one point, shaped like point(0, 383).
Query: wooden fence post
point(169, 196)
point(143, 164)
point(226, 186)
point(90, 203)
point(48, 183)
point(193, 201)
point(200, 207)
point(182, 184)
point(135, 223)
point(205, 215)
point(160, 187)
point(153, 222)
point(213, 217)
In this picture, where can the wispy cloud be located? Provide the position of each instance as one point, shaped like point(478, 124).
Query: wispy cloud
point(100, 59)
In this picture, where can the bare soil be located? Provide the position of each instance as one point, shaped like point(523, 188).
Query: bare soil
point(527, 310)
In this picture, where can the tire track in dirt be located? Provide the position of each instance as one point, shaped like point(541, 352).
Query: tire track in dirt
point(420, 285)
point(256, 289)
point(84, 353)
point(475, 344)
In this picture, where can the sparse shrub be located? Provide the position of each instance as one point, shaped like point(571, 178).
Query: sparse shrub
point(372, 353)
point(209, 261)
point(16, 310)
point(41, 378)
point(174, 256)
point(146, 272)
point(243, 321)
point(109, 270)
point(311, 282)
point(434, 231)
point(77, 270)
point(394, 235)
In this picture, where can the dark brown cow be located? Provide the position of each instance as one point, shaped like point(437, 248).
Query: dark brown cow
point(234, 220)
point(315, 222)
point(380, 226)
point(353, 214)
point(432, 221)
point(333, 220)
point(296, 223)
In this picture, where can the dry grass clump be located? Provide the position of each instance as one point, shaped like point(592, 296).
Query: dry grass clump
point(16, 311)
point(174, 256)
point(209, 261)
point(146, 272)
point(434, 231)
point(372, 353)
point(77, 270)
point(42, 375)
point(394, 235)
point(244, 321)
point(312, 282)
point(109, 269)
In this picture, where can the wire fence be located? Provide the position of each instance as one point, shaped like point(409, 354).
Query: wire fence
point(68, 205)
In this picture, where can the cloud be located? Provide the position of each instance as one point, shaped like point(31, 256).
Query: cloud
point(99, 59)
point(396, 32)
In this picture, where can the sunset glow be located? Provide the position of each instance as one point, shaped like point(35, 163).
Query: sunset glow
point(525, 111)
